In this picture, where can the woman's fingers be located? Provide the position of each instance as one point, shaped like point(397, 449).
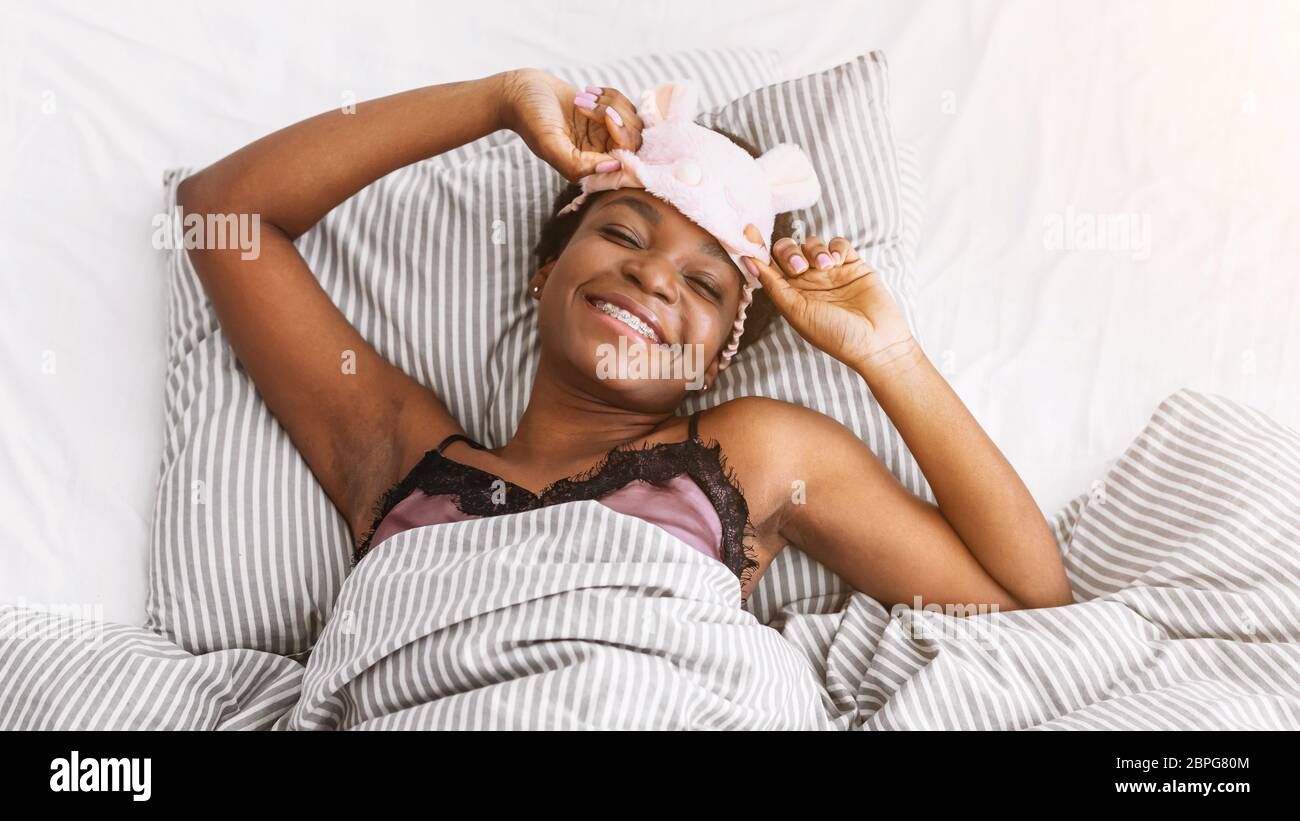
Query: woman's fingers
point(620, 110)
point(813, 256)
point(605, 117)
point(559, 151)
point(789, 257)
point(773, 281)
point(843, 251)
point(612, 109)
point(814, 250)
point(793, 263)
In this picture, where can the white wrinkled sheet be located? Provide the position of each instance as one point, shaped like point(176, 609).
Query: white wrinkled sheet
point(1186, 113)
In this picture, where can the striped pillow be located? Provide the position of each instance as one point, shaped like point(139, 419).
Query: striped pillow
point(430, 265)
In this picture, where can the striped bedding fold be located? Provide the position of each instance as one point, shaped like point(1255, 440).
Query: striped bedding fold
point(573, 616)
point(1184, 560)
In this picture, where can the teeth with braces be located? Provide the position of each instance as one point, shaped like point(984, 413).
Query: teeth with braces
point(628, 318)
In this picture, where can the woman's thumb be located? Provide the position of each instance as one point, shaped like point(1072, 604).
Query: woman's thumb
point(593, 162)
point(561, 154)
point(574, 165)
point(778, 290)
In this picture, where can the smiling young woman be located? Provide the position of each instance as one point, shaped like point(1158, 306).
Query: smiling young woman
point(720, 480)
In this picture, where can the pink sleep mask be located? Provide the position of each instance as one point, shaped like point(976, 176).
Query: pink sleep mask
point(710, 180)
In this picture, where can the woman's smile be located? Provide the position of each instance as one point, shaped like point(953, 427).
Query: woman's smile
point(623, 320)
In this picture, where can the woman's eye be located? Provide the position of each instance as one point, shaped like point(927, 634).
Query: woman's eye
point(707, 285)
point(620, 235)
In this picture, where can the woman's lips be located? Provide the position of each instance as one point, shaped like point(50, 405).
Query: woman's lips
point(623, 328)
point(636, 309)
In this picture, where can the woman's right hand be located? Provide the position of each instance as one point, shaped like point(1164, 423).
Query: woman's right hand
point(572, 138)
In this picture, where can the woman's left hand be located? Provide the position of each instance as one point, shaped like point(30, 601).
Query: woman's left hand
point(572, 129)
point(835, 301)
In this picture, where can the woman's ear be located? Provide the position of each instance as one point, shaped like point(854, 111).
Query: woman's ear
point(711, 373)
point(538, 280)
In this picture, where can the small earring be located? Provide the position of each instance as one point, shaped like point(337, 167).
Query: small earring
point(536, 288)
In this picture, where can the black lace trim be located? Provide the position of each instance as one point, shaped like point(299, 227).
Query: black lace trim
point(656, 463)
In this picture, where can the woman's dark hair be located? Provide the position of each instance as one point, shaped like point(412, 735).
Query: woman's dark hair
point(557, 231)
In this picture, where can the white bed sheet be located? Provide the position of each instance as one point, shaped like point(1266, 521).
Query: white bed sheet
point(1180, 114)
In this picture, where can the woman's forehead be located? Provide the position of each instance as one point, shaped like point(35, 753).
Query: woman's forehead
point(653, 209)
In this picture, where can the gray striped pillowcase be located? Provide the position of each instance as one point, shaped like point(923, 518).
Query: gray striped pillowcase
point(429, 264)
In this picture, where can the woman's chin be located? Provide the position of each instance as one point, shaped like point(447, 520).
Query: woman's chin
point(633, 386)
point(648, 392)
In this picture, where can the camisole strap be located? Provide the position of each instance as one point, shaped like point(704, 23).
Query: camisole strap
point(445, 442)
point(694, 426)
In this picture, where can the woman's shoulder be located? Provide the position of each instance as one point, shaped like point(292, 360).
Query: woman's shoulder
point(774, 437)
point(756, 414)
point(763, 440)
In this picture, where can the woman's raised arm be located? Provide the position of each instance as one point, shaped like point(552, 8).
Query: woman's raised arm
point(358, 421)
point(986, 542)
point(296, 175)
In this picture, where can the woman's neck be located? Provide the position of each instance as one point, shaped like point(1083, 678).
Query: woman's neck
point(564, 430)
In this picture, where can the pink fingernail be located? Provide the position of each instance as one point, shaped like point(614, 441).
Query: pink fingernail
point(749, 263)
point(609, 165)
point(596, 90)
point(615, 116)
point(823, 260)
point(585, 102)
point(798, 264)
point(839, 258)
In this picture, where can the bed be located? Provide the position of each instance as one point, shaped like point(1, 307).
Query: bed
point(1183, 564)
point(1029, 124)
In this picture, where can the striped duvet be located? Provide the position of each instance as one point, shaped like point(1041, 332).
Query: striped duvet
point(1184, 560)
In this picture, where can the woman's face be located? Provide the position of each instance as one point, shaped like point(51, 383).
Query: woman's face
point(634, 251)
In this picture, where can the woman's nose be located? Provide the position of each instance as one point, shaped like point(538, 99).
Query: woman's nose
point(656, 275)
